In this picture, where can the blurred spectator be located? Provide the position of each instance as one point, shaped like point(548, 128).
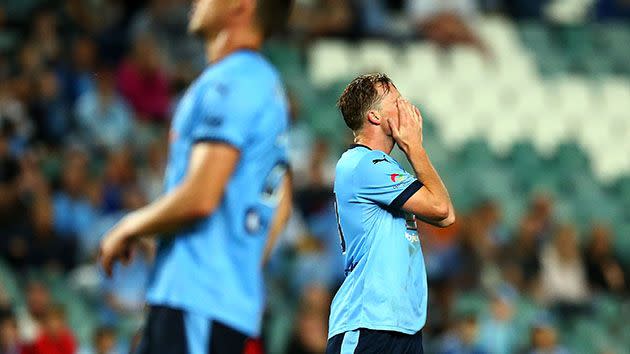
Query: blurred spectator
point(470, 254)
point(372, 18)
point(464, 339)
point(9, 336)
point(14, 228)
point(563, 271)
point(77, 76)
point(103, 342)
point(545, 340)
point(13, 117)
point(167, 21)
point(442, 261)
point(539, 218)
point(322, 17)
point(55, 336)
point(311, 332)
point(119, 175)
point(498, 333)
point(605, 272)
point(31, 318)
point(73, 212)
point(49, 111)
point(45, 36)
point(103, 116)
point(445, 22)
point(523, 252)
point(143, 82)
point(151, 177)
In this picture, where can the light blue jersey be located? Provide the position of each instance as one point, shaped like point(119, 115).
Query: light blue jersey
point(386, 284)
point(212, 268)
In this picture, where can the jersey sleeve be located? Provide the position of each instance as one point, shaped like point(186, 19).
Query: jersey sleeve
point(225, 114)
point(381, 180)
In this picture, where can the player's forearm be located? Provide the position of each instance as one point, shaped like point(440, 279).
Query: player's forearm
point(426, 173)
point(168, 213)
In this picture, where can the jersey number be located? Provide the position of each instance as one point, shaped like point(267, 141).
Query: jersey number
point(341, 238)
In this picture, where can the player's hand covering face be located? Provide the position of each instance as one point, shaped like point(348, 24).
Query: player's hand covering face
point(406, 126)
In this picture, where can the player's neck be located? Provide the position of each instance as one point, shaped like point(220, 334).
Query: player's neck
point(229, 41)
point(376, 142)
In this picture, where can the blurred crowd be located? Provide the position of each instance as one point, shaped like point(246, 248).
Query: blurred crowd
point(87, 89)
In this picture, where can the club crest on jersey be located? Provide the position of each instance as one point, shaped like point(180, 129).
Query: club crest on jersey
point(395, 177)
point(253, 223)
point(412, 237)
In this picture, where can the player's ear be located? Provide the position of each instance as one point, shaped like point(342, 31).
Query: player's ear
point(374, 118)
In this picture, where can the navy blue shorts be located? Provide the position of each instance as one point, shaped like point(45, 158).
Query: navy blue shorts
point(173, 331)
point(367, 341)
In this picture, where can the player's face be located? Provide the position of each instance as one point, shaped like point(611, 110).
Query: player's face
point(208, 16)
point(388, 108)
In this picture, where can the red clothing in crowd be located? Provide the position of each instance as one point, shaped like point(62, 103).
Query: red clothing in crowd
point(147, 93)
point(47, 344)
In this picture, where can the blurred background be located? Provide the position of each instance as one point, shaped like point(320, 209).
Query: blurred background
point(526, 105)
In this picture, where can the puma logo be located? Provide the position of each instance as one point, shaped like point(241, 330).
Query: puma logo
point(375, 161)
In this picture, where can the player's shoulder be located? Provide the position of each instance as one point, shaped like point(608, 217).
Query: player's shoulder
point(361, 162)
point(245, 67)
point(243, 74)
point(375, 160)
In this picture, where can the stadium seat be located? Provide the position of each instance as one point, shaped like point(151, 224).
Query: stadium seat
point(330, 61)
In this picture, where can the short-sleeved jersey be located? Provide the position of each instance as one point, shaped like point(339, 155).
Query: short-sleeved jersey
point(385, 286)
point(213, 266)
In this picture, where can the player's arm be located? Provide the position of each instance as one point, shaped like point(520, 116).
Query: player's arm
point(210, 168)
point(281, 217)
point(431, 203)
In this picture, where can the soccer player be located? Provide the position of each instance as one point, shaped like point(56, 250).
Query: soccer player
point(381, 305)
point(226, 188)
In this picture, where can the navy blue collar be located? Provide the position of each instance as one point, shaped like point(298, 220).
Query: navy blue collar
point(352, 146)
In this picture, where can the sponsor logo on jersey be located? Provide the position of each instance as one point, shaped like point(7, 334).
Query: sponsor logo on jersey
point(395, 177)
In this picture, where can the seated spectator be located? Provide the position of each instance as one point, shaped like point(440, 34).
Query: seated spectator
point(77, 76)
point(55, 336)
point(540, 216)
point(9, 336)
point(120, 174)
point(151, 177)
point(445, 22)
point(49, 110)
point(310, 336)
point(73, 213)
point(143, 82)
point(167, 20)
point(563, 271)
point(544, 340)
point(523, 252)
point(104, 119)
point(13, 117)
point(31, 318)
point(464, 339)
point(44, 34)
point(498, 333)
point(12, 207)
point(103, 342)
point(605, 272)
point(319, 18)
